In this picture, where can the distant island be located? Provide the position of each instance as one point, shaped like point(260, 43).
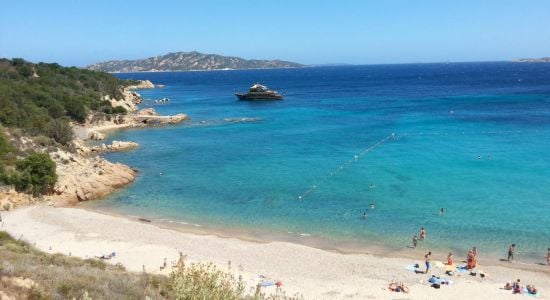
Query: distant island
point(188, 61)
point(535, 60)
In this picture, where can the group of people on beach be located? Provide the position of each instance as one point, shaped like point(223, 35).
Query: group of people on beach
point(517, 288)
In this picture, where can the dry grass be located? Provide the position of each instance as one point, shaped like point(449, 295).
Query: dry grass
point(57, 276)
point(62, 277)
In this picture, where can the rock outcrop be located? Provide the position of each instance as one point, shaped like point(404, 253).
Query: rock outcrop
point(82, 174)
point(115, 146)
point(143, 84)
point(83, 178)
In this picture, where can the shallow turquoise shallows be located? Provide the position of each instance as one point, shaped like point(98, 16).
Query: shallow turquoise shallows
point(473, 139)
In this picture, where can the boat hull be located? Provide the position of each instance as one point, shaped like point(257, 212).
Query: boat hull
point(256, 97)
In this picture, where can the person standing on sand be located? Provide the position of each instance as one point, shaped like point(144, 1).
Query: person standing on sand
point(548, 257)
point(415, 241)
point(450, 259)
point(422, 233)
point(427, 261)
point(511, 251)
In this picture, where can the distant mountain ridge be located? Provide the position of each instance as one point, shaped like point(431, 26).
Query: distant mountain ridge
point(189, 61)
point(542, 59)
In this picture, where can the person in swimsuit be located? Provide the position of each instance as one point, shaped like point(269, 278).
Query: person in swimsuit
point(415, 241)
point(548, 257)
point(422, 233)
point(427, 261)
point(511, 251)
point(450, 259)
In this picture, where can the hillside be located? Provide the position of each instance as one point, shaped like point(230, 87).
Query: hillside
point(542, 59)
point(38, 103)
point(185, 61)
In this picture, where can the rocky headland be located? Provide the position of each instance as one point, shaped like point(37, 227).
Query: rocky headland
point(83, 174)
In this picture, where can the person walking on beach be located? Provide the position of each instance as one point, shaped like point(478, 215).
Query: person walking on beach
point(427, 261)
point(548, 257)
point(511, 251)
point(422, 233)
point(415, 241)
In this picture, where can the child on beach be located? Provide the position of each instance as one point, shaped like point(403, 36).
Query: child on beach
point(422, 233)
point(450, 259)
point(415, 241)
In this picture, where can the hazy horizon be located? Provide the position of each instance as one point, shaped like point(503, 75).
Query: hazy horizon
point(79, 33)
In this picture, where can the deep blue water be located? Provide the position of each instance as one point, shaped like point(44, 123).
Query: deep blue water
point(473, 138)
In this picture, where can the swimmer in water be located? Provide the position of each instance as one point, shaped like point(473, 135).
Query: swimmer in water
point(441, 211)
point(365, 215)
point(372, 206)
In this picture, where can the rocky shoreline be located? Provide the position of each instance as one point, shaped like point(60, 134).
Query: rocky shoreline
point(84, 175)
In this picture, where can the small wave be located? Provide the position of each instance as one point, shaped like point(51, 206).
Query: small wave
point(304, 234)
point(242, 120)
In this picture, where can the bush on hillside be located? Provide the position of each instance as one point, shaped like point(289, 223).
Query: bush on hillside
point(34, 174)
point(60, 130)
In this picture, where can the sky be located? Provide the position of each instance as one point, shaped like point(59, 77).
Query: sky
point(78, 33)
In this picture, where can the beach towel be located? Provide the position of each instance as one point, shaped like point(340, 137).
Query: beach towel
point(462, 269)
point(411, 268)
point(265, 283)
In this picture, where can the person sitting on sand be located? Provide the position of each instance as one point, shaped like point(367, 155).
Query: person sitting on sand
point(471, 260)
point(422, 233)
point(450, 259)
point(531, 289)
point(516, 287)
point(415, 241)
point(508, 286)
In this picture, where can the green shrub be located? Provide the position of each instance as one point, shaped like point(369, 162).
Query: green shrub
point(60, 130)
point(119, 110)
point(205, 281)
point(34, 174)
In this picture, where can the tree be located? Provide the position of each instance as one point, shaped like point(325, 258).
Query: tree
point(36, 174)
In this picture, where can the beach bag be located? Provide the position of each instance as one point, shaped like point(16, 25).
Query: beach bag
point(436, 285)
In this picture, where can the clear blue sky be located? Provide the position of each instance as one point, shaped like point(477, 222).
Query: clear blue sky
point(312, 32)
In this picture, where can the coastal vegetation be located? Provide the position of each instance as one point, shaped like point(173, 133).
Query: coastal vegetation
point(32, 274)
point(39, 101)
point(28, 273)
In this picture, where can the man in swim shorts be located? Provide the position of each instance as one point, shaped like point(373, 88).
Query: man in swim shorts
point(511, 251)
point(427, 261)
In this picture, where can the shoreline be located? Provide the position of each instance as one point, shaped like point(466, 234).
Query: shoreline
point(344, 247)
point(303, 269)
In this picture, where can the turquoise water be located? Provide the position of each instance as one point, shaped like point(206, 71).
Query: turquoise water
point(471, 138)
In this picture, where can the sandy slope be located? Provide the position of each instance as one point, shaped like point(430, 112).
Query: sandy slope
point(315, 273)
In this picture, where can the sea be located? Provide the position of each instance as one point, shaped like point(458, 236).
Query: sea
point(354, 158)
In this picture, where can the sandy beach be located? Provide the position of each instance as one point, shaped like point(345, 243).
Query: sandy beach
point(314, 273)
